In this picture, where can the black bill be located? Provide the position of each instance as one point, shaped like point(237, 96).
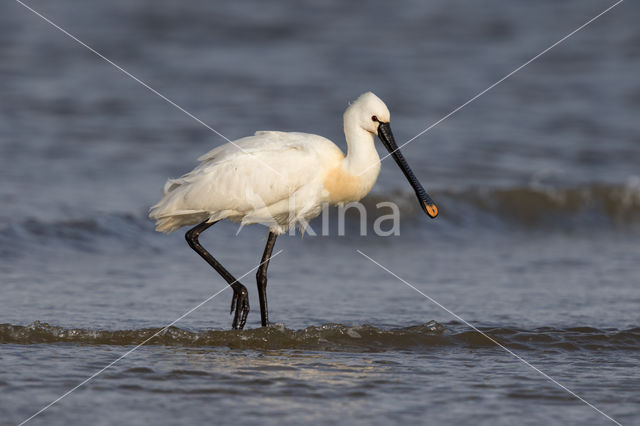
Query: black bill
point(426, 203)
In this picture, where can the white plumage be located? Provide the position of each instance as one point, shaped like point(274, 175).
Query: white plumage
point(279, 179)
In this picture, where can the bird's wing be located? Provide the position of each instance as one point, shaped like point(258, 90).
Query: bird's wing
point(251, 173)
point(261, 141)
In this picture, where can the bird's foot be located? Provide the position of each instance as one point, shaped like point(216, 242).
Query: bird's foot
point(239, 302)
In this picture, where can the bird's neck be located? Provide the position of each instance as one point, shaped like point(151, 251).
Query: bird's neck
point(362, 158)
point(356, 174)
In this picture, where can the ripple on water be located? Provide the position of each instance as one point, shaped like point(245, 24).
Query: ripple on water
point(330, 337)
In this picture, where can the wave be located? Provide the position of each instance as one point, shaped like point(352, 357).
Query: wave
point(80, 233)
point(530, 206)
point(596, 206)
point(333, 337)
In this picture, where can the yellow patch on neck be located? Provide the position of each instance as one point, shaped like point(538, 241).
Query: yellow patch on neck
point(342, 185)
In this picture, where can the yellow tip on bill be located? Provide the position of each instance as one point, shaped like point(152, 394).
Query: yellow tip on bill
point(431, 210)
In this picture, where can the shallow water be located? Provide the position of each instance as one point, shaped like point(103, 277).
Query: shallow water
point(536, 244)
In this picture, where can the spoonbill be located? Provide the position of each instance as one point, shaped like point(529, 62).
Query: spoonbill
point(280, 179)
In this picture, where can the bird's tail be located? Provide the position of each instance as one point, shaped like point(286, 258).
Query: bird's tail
point(170, 222)
point(168, 214)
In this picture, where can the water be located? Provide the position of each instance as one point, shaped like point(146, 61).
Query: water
point(536, 243)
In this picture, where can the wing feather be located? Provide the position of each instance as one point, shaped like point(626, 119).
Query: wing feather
point(250, 174)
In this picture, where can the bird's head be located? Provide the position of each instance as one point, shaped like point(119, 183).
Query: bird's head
point(372, 115)
point(368, 111)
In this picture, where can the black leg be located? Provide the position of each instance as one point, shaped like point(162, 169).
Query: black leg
point(240, 299)
point(262, 278)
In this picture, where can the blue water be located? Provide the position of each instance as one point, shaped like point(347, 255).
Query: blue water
point(536, 244)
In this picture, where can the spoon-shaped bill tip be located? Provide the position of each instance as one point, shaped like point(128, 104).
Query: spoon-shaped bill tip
point(430, 208)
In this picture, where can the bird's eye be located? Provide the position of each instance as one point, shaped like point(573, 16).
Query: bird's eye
point(374, 118)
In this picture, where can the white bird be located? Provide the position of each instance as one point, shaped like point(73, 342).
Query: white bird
point(280, 179)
